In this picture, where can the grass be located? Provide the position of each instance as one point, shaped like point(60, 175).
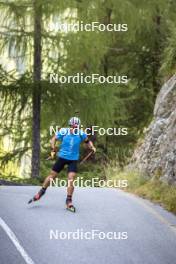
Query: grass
point(159, 192)
point(152, 189)
point(20, 181)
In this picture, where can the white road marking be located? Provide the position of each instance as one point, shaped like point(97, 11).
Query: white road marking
point(15, 241)
point(157, 215)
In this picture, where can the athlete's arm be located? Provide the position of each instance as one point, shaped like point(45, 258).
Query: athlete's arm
point(53, 143)
point(53, 147)
point(58, 136)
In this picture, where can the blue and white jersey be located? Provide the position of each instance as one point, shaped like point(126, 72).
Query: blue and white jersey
point(69, 148)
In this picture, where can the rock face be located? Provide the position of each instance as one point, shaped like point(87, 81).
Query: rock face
point(156, 156)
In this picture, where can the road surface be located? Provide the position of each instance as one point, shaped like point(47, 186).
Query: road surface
point(25, 230)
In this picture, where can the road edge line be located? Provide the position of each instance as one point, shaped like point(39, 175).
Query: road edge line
point(150, 209)
point(15, 241)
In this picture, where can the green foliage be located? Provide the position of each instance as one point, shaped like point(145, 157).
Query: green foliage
point(152, 189)
point(168, 67)
point(159, 192)
point(145, 54)
point(134, 180)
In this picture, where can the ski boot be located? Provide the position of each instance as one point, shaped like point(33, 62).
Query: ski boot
point(37, 196)
point(69, 205)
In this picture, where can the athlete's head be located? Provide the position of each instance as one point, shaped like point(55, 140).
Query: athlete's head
point(74, 122)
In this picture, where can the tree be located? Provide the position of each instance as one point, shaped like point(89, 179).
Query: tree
point(36, 95)
point(29, 99)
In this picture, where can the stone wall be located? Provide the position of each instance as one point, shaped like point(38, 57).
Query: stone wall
point(156, 156)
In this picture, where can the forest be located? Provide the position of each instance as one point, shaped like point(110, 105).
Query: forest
point(33, 46)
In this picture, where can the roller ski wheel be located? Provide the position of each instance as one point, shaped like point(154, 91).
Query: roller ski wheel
point(34, 199)
point(71, 208)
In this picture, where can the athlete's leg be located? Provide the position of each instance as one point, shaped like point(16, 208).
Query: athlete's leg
point(51, 176)
point(70, 189)
point(58, 166)
point(72, 170)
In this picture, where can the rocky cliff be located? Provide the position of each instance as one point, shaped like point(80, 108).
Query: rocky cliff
point(156, 156)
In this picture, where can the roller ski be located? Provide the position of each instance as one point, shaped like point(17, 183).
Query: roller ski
point(37, 196)
point(69, 205)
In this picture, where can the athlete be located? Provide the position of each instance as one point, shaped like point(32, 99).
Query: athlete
point(68, 154)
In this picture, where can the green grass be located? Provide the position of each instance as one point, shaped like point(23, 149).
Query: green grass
point(159, 192)
point(16, 180)
point(152, 189)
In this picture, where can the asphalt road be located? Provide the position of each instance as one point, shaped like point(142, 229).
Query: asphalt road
point(150, 230)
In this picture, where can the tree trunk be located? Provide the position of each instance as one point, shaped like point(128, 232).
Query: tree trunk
point(36, 96)
point(157, 55)
point(107, 21)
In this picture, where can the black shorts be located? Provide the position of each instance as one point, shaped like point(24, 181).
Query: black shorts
point(60, 163)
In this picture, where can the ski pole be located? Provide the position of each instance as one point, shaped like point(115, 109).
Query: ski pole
point(86, 157)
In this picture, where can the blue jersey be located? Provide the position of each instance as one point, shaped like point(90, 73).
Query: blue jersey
point(69, 148)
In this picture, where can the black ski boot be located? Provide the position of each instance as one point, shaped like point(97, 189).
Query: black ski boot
point(69, 205)
point(38, 195)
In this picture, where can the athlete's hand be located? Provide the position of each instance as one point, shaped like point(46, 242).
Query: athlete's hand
point(93, 149)
point(53, 152)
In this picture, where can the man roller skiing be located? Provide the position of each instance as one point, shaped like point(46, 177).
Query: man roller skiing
point(68, 154)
